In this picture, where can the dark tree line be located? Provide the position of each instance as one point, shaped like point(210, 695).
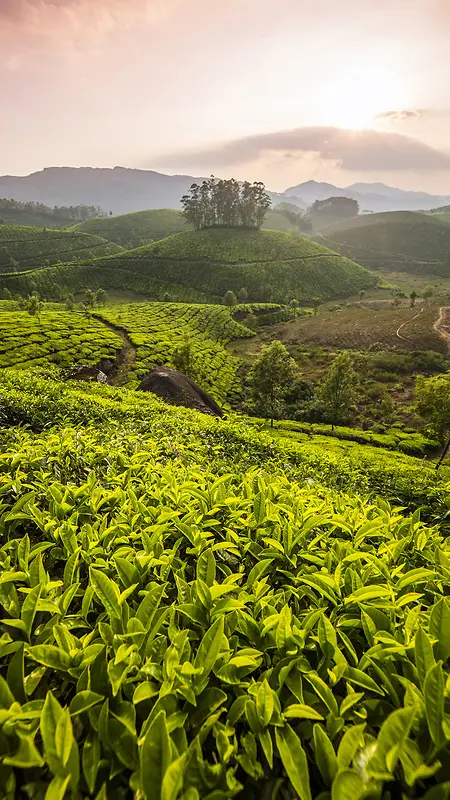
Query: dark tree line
point(74, 214)
point(229, 204)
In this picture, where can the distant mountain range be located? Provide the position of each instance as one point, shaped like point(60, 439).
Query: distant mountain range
point(121, 190)
point(370, 196)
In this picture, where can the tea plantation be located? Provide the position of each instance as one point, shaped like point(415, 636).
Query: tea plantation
point(143, 227)
point(23, 247)
point(199, 266)
point(191, 609)
point(56, 337)
point(138, 228)
point(402, 240)
point(159, 329)
point(270, 265)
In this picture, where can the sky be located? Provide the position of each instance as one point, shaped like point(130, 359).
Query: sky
point(276, 90)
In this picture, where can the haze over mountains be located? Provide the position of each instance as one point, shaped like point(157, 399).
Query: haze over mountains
point(122, 190)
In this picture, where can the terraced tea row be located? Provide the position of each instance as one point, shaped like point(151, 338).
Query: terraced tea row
point(270, 265)
point(55, 282)
point(191, 337)
point(57, 337)
point(23, 247)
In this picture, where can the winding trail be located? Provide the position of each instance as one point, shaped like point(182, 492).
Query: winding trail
point(442, 325)
point(408, 322)
point(127, 356)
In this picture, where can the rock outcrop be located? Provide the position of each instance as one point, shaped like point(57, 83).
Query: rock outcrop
point(176, 388)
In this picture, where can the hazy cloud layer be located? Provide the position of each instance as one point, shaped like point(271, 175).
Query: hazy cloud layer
point(17, 10)
point(351, 150)
point(402, 113)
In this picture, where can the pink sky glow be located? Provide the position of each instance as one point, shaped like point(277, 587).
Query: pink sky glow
point(282, 90)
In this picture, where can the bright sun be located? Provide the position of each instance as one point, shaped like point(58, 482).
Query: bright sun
point(355, 99)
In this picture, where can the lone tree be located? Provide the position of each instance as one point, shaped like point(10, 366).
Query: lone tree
point(89, 298)
point(70, 302)
point(34, 306)
point(433, 404)
point(101, 297)
point(271, 375)
point(316, 301)
point(229, 298)
point(183, 358)
point(427, 293)
point(413, 298)
point(228, 204)
point(336, 394)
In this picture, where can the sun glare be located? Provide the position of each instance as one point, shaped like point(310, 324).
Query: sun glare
point(353, 100)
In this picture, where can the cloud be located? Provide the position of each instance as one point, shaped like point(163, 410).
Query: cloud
point(19, 10)
point(402, 113)
point(367, 150)
point(82, 14)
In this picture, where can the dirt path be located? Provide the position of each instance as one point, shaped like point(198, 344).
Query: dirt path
point(408, 322)
point(127, 356)
point(442, 325)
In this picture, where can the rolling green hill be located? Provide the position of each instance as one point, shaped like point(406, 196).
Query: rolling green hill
point(272, 266)
point(23, 247)
point(31, 216)
point(201, 266)
point(402, 240)
point(143, 227)
point(136, 229)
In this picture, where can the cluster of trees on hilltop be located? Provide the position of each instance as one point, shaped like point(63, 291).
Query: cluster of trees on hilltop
point(226, 203)
point(73, 214)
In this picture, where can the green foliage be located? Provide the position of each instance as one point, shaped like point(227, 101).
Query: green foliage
point(406, 240)
point(271, 374)
point(101, 297)
point(272, 266)
point(138, 228)
point(226, 203)
point(42, 337)
point(176, 625)
point(54, 283)
point(32, 247)
point(336, 394)
point(15, 212)
point(184, 336)
point(433, 404)
point(229, 298)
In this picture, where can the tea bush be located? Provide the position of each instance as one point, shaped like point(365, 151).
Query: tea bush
point(32, 247)
point(186, 614)
point(58, 337)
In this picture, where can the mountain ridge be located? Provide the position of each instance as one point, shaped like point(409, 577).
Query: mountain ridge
point(122, 190)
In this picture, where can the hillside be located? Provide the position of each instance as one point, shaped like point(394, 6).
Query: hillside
point(24, 247)
point(159, 330)
point(400, 240)
point(143, 227)
point(272, 266)
point(195, 609)
point(34, 215)
point(56, 337)
point(138, 228)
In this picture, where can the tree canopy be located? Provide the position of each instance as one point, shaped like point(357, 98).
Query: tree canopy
point(226, 203)
point(272, 373)
point(337, 207)
point(337, 392)
point(433, 404)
